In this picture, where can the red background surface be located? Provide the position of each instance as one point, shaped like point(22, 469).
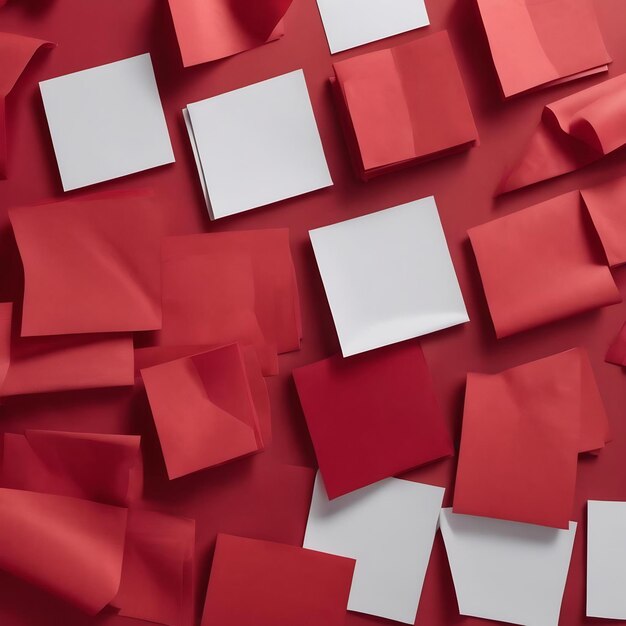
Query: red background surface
point(91, 33)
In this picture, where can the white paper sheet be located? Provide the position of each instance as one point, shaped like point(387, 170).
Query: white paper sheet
point(351, 23)
point(106, 122)
point(507, 571)
point(389, 528)
point(257, 145)
point(606, 559)
point(388, 276)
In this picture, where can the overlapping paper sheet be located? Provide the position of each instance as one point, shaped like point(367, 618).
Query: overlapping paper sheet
point(100, 467)
point(352, 23)
point(551, 260)
point(606, 559)
point(70, 547)
point(574, 131)
point(158, 570)
point(523, 430)
point(617, 350)
point(372, 416)
point(207, 31)
point(91, 263)
point(389, 528)
point(235, 287)
point(403, 105)
point(539, 44)
point(264, 134)
point(507, 571)
point(204, 408)
point(388, 276)
point(106, 122)
point(60, 363)
point(16, 51)
point(261, 583)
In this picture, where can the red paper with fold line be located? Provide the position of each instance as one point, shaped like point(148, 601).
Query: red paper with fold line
point(61, 363)
point(69, 547)
point(522, 432)
point(208, 30)
point(548, 261)
point(203, 409)
point(16, 51)
point(540, 44)
point(91, 263)
point(403, 105)
point(574, 131)
point(104, 468)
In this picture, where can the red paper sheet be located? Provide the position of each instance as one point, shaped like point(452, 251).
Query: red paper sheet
point(617, 350)
point(43, 364)
point(16, 51)
point(539, 44)
point(211, 30)
point(404, 105)
point(573, 132)
point(542, 264)
point(158, 570)
point(91, 264)
point(203, 409)
point(149, 357)
point(104, 468)
point(258, 583)
point(522, 432)
point(71, 548)
point(371, 416)
point(252, 299)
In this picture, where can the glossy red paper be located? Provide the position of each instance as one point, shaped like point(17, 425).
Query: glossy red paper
point(404, 105)
point(203, 409)
point(573, 132)
point(16, 51)
point(522, 432)
point(539, 44)
point(259, 583)
point(61, 363)
point(71, 548)
point(542, 264)
point(158, 571)
point(371, 416)
point(91, 264)
point(211, 30)
point(617, 350)
point(103, 468)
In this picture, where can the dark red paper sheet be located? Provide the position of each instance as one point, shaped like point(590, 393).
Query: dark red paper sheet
point(258, 496)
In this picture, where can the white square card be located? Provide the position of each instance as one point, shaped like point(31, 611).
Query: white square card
point(257, 145)
point(351, 23)
point(388, 276)
point(106, 122)
point(389, 528)
point(507, 571)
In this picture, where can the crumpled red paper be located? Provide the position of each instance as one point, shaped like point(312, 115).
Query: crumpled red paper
point(573, 132)
point(99, 467)
point(16, 51)
point(208, 31)
point(71, 548)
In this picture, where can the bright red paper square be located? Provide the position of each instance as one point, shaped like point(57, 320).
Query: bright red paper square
point(371, 416)
point(259, 583)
